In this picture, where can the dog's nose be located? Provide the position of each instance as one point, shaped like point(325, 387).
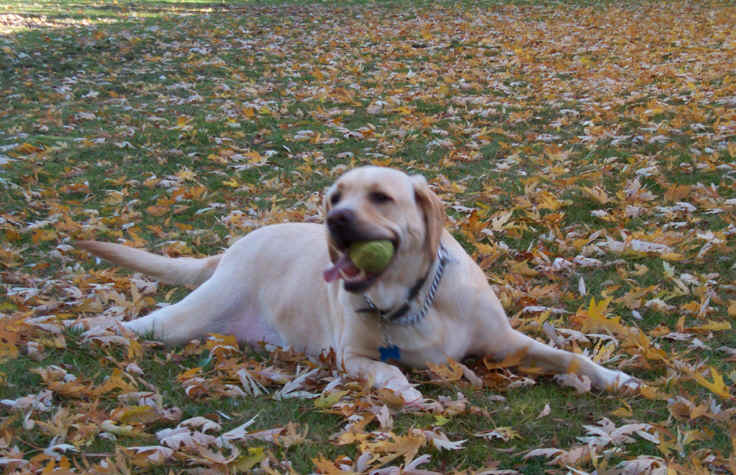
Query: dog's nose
point(340, 219)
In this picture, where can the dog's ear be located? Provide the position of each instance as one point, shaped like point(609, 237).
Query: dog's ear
point(434, 214)
point(327, 206)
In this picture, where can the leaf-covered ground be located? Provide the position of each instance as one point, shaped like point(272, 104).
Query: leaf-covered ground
point(585, 151)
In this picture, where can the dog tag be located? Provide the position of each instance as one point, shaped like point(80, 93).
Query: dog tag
point(390, 352)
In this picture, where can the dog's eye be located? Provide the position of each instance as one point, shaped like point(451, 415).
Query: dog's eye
point(335, 198)
point(379, 197)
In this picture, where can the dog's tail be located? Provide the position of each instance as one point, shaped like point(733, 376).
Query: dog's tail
point(187, 271)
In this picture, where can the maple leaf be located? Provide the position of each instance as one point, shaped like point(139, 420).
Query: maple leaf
point(396, 446)
point(329, 399)
point(512, 359)
point(135, 414)
point(329, 467)
point(717, 385)
point(595, 318)
point(448, 373)
point(246, 462)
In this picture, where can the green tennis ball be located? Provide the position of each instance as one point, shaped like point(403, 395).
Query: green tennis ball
point(371, 256)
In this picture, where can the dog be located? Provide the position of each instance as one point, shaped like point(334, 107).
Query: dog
point(295, 285)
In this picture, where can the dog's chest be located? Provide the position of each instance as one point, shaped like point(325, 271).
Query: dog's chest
point(415, 345)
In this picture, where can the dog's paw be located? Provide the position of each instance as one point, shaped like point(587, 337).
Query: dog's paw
point(401, 387)
point(622, 382)
point(411, 396)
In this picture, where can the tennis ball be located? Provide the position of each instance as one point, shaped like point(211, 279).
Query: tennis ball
point(371, 256)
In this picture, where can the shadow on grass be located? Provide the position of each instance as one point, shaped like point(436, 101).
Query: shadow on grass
point(23, 16)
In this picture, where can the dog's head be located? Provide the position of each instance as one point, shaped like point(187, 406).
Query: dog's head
point(373, 203)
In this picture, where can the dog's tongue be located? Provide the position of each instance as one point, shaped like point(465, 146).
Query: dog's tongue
point(343, 264)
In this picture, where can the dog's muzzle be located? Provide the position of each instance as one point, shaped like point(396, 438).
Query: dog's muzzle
point(342, 224)
point(345, 229)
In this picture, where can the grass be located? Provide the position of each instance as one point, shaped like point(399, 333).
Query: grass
point(180, 126)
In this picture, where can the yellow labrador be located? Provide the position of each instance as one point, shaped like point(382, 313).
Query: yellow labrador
point(294, 285)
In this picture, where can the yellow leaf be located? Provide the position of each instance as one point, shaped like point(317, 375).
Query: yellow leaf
point(121, 430)
point(215, 340)
point(232, 183)
point(157, 210)
point(135, 349)
point(27, 149)
point(113, 382)
point(390, 397)
point(144, 414)
point(597, 193)
point(499, 220)
point(43, 235)
point(403, 110)
point(326, 400)
point(222, 348)
point(247, 462)
point(717, 386)
point(623, 411)
point(672, 256)
point(711, 326)
point(522, 268)
point(651, 393)
point(182, 121)
point(448, 373)
point(8, 351)
point(695, 434)
point(328, 467)
point(732, 308)
point(549, 201)
point(289, 436)
point(11, 235)
point(188, 374)
point(512, 359)
point(396, 446)
point(597, 320)
point(185, 174)
point(440, 420)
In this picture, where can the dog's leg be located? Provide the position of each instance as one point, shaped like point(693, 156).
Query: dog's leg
point(539, 355)
point(207, 309)
point(382, 375)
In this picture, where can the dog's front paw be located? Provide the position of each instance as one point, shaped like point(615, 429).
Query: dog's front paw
point(402, 388)
point(411, 396)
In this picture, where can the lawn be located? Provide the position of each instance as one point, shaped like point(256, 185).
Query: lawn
point(586, 153)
